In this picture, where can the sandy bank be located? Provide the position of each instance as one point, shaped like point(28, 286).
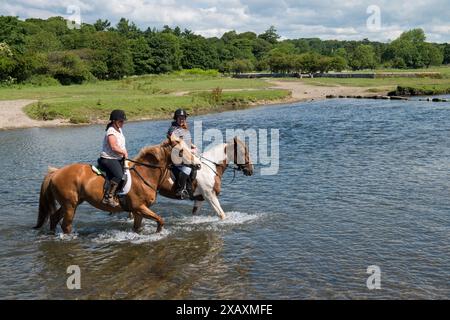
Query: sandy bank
point(12, 116)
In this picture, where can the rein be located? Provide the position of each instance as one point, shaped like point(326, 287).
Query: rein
point(148, 165)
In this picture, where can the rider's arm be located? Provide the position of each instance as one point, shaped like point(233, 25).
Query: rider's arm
point(112, 140)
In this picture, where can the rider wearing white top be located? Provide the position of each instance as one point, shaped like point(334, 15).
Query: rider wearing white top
point(113, 152)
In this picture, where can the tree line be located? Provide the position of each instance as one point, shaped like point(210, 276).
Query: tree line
point(37, 50)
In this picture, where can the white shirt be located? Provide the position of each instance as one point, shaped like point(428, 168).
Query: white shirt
point(107, 152)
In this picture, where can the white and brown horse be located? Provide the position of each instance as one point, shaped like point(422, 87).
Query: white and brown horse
point(215, 161)
point(76, 183)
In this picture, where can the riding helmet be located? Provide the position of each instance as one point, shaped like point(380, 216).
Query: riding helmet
point(180, 112)
point(117, 115)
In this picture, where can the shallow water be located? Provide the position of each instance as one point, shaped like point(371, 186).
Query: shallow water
point(361, 182)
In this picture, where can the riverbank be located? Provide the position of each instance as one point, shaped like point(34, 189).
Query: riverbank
point(16, 113)
point(155, 97)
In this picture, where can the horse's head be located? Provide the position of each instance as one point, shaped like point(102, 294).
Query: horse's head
point(181, 153)
point(238, 152)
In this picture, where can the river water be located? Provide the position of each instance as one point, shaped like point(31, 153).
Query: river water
point(360, 183)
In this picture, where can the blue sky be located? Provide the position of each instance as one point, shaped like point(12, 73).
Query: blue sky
point(332, 19)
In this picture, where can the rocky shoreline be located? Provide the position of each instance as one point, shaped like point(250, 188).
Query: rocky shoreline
point(384, 97)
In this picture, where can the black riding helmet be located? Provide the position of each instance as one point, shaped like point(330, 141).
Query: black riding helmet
point(180, 112)
point(117, 115)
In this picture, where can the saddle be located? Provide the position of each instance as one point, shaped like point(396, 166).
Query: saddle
point(124, 185)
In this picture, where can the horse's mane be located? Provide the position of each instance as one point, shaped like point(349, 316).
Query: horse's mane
point(151, 151)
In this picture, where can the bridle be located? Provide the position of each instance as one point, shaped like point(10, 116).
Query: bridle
point(236, 167)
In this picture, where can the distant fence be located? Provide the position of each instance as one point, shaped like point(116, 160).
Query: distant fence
point(371, 75)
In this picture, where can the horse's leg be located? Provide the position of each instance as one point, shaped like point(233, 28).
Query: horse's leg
point(137, 223)
point(212, 199)
point(55, 218)
point(149, 214)
point(69, 213)
point(197, 206)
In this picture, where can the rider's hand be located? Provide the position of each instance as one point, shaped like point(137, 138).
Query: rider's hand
point(125, 154)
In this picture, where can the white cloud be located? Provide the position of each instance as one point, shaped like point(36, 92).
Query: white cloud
point(327, 19)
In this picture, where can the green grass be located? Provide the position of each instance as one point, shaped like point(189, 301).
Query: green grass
point(153, 96)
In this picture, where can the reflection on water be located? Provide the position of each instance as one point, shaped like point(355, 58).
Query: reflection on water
point(360, 183)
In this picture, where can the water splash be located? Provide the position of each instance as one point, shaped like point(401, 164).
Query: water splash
point(215, 223)
point(117, 236)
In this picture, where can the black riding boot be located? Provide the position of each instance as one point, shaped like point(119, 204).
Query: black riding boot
point(181, 185)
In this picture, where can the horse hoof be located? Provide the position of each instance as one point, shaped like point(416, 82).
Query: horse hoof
point(159, 228)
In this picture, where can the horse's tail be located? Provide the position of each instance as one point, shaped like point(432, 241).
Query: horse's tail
point(47, 201)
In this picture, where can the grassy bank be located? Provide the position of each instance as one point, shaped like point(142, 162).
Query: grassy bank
point(149, 97)
point(430, 86)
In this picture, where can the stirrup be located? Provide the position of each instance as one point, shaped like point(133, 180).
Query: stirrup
point(183, 194)
point(110, 202)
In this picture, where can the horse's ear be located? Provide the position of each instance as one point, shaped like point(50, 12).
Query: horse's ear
point(173, 140)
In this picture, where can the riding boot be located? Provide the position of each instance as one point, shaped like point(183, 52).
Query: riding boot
point(181, 186)
point(109, 197)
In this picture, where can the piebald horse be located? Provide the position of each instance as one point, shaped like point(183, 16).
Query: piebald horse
point(73, 184)
point(207, 184)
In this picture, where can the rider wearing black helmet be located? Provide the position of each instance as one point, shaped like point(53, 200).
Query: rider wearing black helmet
point(180, 129)
point(112, 155)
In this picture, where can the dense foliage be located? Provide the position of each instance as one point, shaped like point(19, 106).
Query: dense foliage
point(37, 50)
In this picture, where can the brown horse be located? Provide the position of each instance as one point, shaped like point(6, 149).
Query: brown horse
point(75, 183)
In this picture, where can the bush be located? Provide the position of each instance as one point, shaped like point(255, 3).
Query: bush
point(78, 119)
point(198, 72)
point(68, 68)
point(42, 112)
point(41, 80)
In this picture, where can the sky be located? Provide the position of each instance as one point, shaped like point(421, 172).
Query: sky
point(381, 20)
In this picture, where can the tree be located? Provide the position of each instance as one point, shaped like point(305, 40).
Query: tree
point(311, 62)
point(166, 52)
point(270, 35)
point(338, 64)
point(447, 54)
point(102, 25)
point(260, 48)
point(12, 32)
point(363, 58)
point(198, 53)
point(240, 66)
point(116, 53)
point(411, 48)
point(416, 36)
point(43, 41)
point(142, 56)
point(431, 55)
point(126, 29)
point(7, 63)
